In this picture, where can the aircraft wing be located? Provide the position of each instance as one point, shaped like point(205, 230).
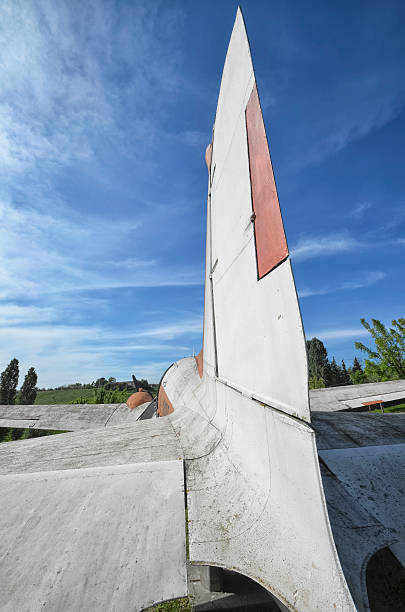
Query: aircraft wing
point(70, 417)
point(93, 520)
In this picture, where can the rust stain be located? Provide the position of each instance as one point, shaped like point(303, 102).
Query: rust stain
point(271, 244)
point(208, 156)
point(199, 361)
point(165, 406)
point(138, 398)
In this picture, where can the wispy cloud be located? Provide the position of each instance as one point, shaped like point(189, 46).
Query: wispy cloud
point(360, 210)
point(168, 332)
point(195, 138)
point(367, 279)
point(12, 314)
point(86, 98)
point(308, 247)
point(352, 109)
point(337, 334)
point(67, 353)
point(41, 253)
point(152, 370)
point(55, 64)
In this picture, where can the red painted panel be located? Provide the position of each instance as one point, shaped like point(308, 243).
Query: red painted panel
point(271, 244)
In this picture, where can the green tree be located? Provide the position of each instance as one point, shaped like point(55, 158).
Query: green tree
point(356, 366)
point(387, 360)
point(100, 382)
point(332, 374)
point(9, 382)
point(317, 359)
point(345, 376)
point(357, 375)
point(316, 383)
point(29, 390)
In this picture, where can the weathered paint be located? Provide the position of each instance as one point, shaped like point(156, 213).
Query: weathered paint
point(254, 494)
point(72, 417)
point(365, 497)
point(199, 361)
point(351, 429)
point(165, 406)
point(271, 244)
point(253, 334)
point(353, 396)
point(134, 442)
point(92, 539)
point(138, 398)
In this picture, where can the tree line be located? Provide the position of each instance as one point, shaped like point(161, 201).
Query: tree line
point(109, 384)
point(386, 361)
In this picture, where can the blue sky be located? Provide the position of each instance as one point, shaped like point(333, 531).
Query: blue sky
point(105, 111)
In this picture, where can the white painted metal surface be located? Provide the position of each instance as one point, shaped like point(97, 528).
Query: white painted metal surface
point(375, 477)
point(352, 429)
point(107, 538)
point(71, 417)
point(352, 396)
point(365, 491)
point(152, 440)
point(359, 402)
point(254, 493)
point(259, 335)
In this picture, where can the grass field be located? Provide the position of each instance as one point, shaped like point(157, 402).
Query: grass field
point(175, 605)
point(398, 408)
point(62, 396)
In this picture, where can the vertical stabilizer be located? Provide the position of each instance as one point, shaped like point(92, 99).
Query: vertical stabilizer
point(253, 335)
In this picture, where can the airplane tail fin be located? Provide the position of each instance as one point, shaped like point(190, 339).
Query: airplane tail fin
point(253, 334)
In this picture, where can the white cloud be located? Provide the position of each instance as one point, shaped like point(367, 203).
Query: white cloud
point(195, 138)
point(43, 253)
point(12, 314)
point(352, 109)
point(360, 210)
point(152, 371)
point(337, 334)
point(62, 78)
point(63, 354)
point(170, 331)
point(80, 89)
point(367, 279)
point(325, 245)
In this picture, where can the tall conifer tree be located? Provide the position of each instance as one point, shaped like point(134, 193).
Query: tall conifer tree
point(345, 380)
point(29, 389)
point(9, 382)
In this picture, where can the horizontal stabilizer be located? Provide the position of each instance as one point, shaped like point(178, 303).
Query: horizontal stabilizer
point(68, 417)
